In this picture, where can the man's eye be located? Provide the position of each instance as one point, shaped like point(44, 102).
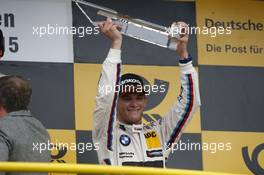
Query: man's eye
point(126, 98)
point(140, 97)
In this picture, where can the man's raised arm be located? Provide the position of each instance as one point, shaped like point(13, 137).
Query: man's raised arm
point(187, 102)
point(106, 98)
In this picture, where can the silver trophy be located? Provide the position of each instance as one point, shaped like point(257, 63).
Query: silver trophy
point(136, 28)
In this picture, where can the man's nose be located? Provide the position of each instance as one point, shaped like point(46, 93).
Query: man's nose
point(133, 103)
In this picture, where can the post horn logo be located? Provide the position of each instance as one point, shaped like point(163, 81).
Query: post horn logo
point(61, 152)
point(154, 99)
point(253, 163)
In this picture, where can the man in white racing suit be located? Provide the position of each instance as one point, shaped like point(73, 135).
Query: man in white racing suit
point(117, 122)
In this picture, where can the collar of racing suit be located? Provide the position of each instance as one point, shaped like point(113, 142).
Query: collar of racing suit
point(135, 128)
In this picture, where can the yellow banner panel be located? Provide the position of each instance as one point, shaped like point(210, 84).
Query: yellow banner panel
point(233, 152)
point(86, 77)
point(63, 144)
point(230, 32)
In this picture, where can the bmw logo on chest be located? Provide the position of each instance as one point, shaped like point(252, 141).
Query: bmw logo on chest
point(125, 140)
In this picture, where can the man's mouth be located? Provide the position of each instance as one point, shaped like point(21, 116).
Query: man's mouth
point(133, 110)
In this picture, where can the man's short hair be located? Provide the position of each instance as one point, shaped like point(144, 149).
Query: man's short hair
point(15, 93)
point(131, 83)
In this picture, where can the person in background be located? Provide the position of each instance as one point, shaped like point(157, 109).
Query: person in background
point(19, 130)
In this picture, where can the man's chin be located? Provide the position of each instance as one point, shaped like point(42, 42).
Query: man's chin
point(135, 119)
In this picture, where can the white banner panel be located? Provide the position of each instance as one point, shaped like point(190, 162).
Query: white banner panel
point(31, 30)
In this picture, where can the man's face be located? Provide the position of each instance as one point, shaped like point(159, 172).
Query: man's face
point(130, 108)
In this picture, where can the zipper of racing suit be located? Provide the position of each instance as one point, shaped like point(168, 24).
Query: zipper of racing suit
point(141, 142)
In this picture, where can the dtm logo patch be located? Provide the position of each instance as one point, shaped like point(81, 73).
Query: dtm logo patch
point(152, 140)
point(124, 140)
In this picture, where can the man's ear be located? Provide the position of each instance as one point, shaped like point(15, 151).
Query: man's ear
point(1, 107)
point(1, 53)
point(3, 111)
